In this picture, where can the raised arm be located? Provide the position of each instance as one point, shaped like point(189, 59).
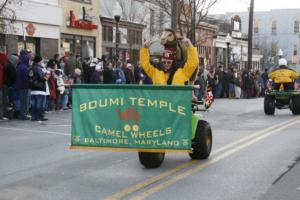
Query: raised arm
point(145, 60)
point(192, 59)
point(294, 75)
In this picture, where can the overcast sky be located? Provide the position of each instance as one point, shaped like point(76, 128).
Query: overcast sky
point(224, 6)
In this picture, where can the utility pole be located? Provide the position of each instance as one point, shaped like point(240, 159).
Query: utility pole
point(250, 33)
point(193, 23)
point(174, 19)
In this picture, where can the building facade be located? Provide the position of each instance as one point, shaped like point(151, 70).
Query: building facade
point(129, 43)
point(233, 53)
point(36, 28)
point(205, 44)
point(80, 33)
point(273, 30)
point(237, 49)
point(132, 28)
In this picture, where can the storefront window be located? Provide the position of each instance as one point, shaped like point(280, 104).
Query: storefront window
point(88, 47)
point(67, 44)
point(78, 45)
point(32, 44)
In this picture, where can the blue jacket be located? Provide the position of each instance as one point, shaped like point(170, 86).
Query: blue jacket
point(22, 73)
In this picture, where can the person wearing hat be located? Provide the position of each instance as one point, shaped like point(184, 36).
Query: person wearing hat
point(170, 74)
point(96, 76)
point(51, 98)
point(22, 86)
point(38, 78)
point(283, 75)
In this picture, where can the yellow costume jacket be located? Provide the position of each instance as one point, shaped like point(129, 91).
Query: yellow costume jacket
point(283, 75)
point(181, 76)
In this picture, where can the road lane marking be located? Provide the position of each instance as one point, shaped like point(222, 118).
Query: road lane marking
point(222, 156)
point(131, 189)
point(34, 131)
point(252, 136)
point(66, 125)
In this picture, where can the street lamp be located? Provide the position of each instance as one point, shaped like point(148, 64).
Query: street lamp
point(117, 12)
point(228, 41)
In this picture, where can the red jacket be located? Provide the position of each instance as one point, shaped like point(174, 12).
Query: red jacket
point(3, 61)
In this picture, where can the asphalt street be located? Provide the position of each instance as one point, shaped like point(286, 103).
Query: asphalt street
point(254, 156)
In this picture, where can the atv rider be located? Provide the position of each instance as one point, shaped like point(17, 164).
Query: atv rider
point(170, 74)
point(283, 75)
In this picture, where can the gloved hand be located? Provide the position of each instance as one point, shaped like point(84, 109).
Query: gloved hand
point(187, 42)
point(147, 44)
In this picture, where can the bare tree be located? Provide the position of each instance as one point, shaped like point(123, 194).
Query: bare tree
point(191, 13)
point(8, 14)
point(132, 11)
point(268, 48)
point(143, 13)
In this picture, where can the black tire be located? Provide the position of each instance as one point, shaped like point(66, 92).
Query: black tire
point(296, 105)
point(151, 160)
point(269, 105)
point(202, 142)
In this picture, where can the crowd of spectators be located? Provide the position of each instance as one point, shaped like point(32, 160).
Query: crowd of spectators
point(31, 86)
point(231, 83)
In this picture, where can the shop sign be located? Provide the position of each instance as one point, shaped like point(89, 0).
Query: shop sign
point(30, 29)
point(80, 23)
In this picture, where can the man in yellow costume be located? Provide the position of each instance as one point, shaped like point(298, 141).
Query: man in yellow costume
point(283, 75)
point(170, 74)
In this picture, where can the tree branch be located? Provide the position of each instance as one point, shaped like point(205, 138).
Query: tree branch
point(3, 6)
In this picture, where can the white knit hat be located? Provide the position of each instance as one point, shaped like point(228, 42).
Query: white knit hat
point(77, 71)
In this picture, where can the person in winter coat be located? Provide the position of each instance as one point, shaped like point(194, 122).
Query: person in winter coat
point(119, 74)
point(264, 78)
point(22, 86)
point(77, 76)
point(38, 90)
point(231, 81)
point(283, 75)
point(71, 64)
point(62, 96)
point(219, 81)
point(51, 98)
point(128, 72)
point(96, 76)
point(108, 77)
point(137, 74)
point(57, 58)
point(237, 85)
point(10, 71)
point(3, 61)
point(246, 83)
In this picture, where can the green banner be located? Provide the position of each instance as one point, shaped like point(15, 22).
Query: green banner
point(136, 117)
